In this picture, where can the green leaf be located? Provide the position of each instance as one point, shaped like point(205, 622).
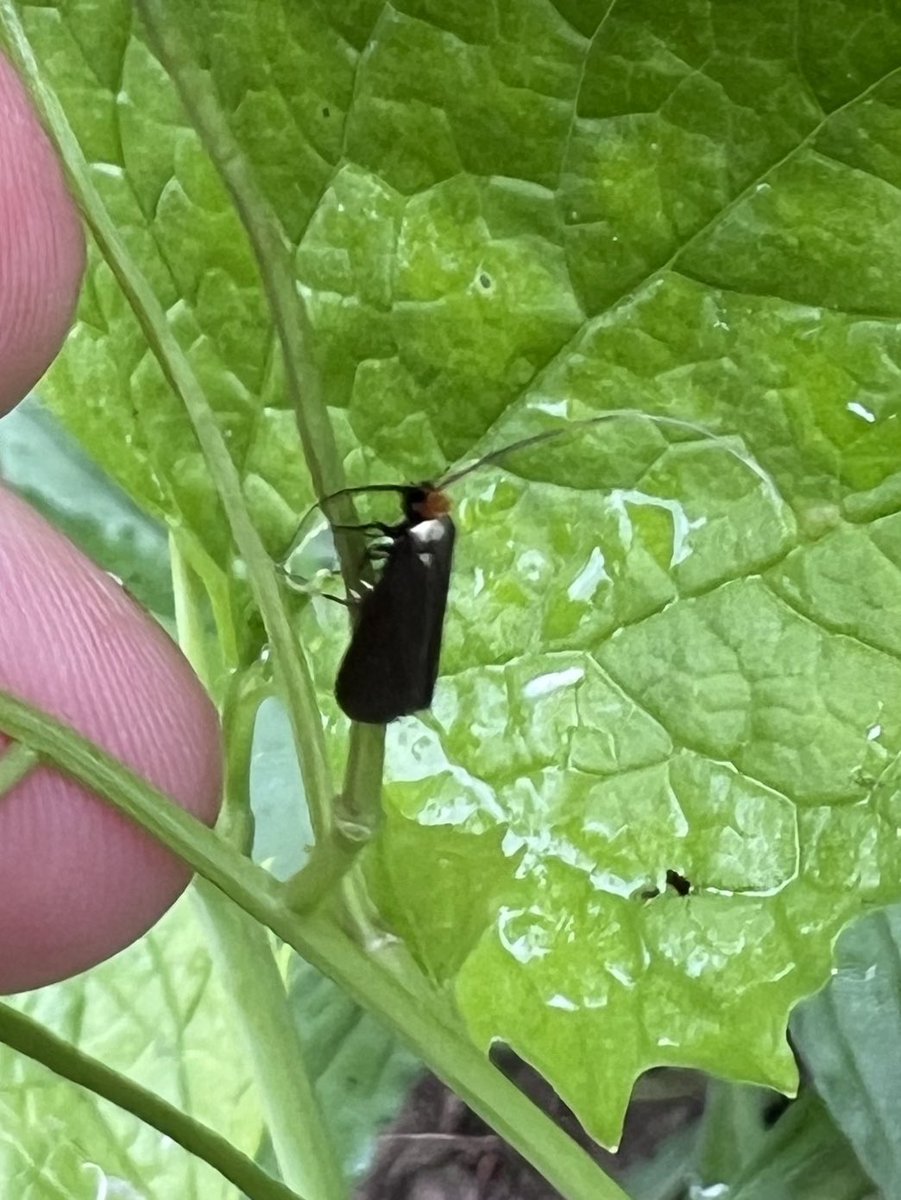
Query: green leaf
point(157, 1014)
point(731, 1130)
point(661, 653)
point(282, 830)
point(47, 466)
point(385, 987)
point(845, 1035)
point(804, 1158)
point(664, 1176)
point(172, 212)
point(361, 1070)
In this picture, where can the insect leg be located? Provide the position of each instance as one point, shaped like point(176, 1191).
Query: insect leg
point(372, 527)
point(345, 601)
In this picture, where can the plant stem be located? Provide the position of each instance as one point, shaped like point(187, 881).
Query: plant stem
point(242, 950)
point(267, 238)
point(256, 990)
point(361, 792)
point(731, 1130)
point(292, 668)
point(245, 692)
point(211, 659)
point(15, 764)
point(414, 1014)
point(25, 1035)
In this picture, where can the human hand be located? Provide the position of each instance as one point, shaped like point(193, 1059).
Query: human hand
point(78, 881)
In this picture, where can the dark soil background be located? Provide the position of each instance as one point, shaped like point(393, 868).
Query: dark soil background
point(438, 1149)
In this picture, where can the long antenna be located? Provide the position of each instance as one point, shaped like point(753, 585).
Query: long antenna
point(548, 435)
point(356, 490)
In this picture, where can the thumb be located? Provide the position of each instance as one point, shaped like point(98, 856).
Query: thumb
point(41, 245)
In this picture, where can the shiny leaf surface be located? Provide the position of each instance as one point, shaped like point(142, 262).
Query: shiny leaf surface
point(663, 652)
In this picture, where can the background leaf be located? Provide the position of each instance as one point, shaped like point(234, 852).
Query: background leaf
point(661, 653)
point(157, 1013)
point(282, 831)
point(48, 467)
point(361, 1069)
point(805, 1158)
point(845, 1035)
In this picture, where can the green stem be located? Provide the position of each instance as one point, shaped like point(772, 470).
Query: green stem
point(326, 868)
point(290, 315)
point(292, 668)
point(244, 957)
point(256, 991)
point(246, 691)
point(359, 810)
point(25, 1035)
point(266, 236)
point(361, 792)
point(731, 1130)
point(414, 1014)
point(211, 659)
point(356, 819)
point(17, 762)
point(243, 952)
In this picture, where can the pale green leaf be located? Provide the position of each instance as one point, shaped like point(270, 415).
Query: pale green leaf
point(156, 1013)
point(662, 652)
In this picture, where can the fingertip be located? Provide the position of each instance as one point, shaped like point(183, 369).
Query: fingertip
point(78, 881)
point(42, 248)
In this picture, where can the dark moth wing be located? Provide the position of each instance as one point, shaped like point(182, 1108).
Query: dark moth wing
point(391, 665)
